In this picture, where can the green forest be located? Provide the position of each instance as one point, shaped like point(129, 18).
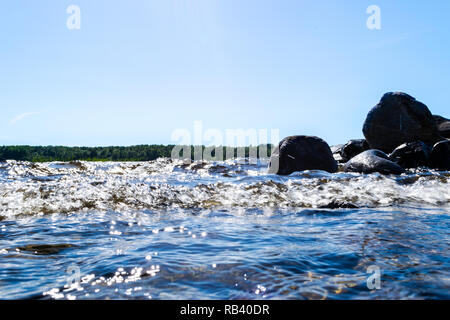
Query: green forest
point(132, 153)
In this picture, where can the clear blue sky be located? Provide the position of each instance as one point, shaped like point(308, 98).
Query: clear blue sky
point(137, 70)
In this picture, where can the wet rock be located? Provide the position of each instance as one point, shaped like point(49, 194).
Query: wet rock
point(300, 153)
point(399, 118)
point(439, 119)
point(371, 161)
point(440, 155)
point(45, 249)
point(353, 148)
point(443, 125)
point(412, 155)
point(339, 205)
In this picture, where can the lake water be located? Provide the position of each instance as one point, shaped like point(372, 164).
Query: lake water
point(222, 230)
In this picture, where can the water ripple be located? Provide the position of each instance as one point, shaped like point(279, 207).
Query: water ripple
point(170, 230)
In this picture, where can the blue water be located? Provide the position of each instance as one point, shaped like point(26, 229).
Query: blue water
point(165, 230)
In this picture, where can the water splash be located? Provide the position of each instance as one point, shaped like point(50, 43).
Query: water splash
point(47, 188)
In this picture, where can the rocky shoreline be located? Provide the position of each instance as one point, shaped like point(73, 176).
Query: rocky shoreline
point(400, 133)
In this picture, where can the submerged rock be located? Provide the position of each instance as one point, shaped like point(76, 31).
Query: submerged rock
point(443, 125)
point(371, 161)
point(440, 155)
point(412, 155)
point(353, 148)
point(399, 118)
point(339, 205)
point(300, 153)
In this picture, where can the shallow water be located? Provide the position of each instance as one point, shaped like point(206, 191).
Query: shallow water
point(227, 230)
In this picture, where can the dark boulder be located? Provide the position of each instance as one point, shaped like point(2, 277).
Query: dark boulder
point(399, 118)
point(371, 161)
point(353, 148)
point(339, 205)
point(440, 156)
point(412, 155)
point(300, 153)
point(440, 119)
point(443, 125)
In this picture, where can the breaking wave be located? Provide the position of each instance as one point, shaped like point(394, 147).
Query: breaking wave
point(46, 188)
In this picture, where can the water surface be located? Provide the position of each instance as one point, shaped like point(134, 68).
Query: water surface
point(219, 230)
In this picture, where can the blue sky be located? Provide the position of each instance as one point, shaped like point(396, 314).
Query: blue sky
point(137, 70)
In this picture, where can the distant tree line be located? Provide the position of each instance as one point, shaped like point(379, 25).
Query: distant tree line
point(132, 153)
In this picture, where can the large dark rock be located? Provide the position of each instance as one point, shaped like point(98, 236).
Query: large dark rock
point(399, 118)
point(300, 153)
point(440, 156)
point(412, 155)
point(353, 148)
point(371, 161)
point(443, 125)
